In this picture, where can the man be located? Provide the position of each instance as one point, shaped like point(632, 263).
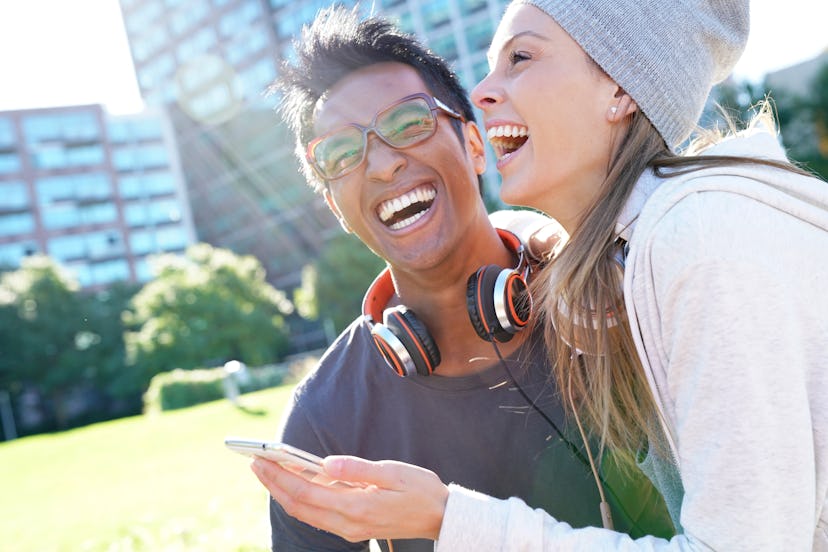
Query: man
point(386, 133)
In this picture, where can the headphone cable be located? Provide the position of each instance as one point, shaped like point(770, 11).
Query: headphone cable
point(606, 516)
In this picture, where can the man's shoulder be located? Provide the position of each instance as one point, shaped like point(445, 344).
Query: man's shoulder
point(348, 361)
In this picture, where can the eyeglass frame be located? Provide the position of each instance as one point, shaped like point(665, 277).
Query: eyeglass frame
point(434, 104)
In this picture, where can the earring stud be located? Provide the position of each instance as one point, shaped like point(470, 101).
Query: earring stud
point(613, 109)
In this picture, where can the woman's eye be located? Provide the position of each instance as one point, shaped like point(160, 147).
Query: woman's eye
point(516, 57)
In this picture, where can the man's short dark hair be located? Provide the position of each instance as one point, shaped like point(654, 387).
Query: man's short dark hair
point(337, 43)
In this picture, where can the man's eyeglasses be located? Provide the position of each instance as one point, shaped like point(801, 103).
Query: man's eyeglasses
point(403, 124)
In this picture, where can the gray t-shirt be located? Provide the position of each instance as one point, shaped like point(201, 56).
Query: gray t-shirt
point(477, 431)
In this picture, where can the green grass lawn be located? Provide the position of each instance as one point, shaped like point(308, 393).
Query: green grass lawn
point(147, 483)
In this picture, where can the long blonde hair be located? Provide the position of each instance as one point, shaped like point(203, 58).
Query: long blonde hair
point(580, 293)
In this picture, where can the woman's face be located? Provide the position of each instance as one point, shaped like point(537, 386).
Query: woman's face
point(548, 115)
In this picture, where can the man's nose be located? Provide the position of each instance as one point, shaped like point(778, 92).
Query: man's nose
point(382, 162)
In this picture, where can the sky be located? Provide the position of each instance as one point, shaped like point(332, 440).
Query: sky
point(70, 52)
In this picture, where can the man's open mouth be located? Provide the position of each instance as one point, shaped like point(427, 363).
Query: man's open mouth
point(408, 208)
point(506, 139)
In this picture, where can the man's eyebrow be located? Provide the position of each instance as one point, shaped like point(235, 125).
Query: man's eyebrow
point(491, 54)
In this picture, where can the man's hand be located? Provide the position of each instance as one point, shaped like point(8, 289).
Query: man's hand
point(392, 500)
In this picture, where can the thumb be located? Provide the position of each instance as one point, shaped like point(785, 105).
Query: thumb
point(351, 468)
point(385, 474)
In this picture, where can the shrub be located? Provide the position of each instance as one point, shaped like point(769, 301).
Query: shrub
point(182, 388)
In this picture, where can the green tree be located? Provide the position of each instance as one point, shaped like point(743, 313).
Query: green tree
point(102, 338)
point(335, 288)
point(205, 308)
point(802, 118)
point(816, 109)
point(42, 319)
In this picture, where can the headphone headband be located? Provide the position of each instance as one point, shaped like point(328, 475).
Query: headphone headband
point(378, 296)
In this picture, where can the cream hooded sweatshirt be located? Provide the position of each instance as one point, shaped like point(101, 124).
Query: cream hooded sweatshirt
point(726, 286)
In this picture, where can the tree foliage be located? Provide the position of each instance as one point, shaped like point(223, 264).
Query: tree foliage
point(55, 340)
point(203, 309)
point(341, 276)
point(802, 118)
point(41, 300)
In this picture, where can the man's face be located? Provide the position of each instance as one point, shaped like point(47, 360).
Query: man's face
point(411, 206)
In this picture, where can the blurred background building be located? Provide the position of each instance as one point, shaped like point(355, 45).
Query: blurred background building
point(96, 192)
point(210, 62)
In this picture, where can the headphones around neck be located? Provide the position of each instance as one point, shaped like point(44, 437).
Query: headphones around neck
point(498, 302)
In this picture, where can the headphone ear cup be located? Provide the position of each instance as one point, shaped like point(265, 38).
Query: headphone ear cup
point(480, 304)
point(498, 303)
point(419, 352)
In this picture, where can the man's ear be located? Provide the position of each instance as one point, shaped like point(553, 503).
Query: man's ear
point(335, 210)
point(476, 147)
point(622, 106)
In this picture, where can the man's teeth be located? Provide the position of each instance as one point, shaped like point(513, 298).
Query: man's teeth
point(420, 198)
point(407, 222)
point(509, 131)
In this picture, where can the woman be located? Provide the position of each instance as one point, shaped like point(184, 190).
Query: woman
point(687, 310)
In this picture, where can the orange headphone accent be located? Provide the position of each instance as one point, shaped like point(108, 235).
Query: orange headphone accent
point(498, 302)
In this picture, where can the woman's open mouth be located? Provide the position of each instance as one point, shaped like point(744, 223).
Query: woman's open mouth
point(506, 139)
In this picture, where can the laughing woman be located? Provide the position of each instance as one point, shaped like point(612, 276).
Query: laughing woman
point(687, 311)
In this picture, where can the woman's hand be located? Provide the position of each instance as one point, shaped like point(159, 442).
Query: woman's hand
point(393, 500)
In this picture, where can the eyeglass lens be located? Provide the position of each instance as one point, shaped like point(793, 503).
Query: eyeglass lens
point(399, 126)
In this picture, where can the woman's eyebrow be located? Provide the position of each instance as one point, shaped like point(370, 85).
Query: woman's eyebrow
point(491, 53)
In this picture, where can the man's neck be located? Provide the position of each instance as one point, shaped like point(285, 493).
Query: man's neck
point(438, 297)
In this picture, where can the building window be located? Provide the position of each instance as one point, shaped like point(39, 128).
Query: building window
point(66, 248)
point(435, 13)
point(76, 128)
point(239, 20)
point(16, 224)
point(9, 163)
point(479, 35)
point(99, 213)
point(12, 253)
point(13, 195)
point(109, 271)
point(84, 156)
point(481, 69)
point(471, 6)
point(188, 17)
point(171, 239)
point(157, 72)
point(254, 40)
point(142, 242)
point(150, 213)
point(446, 46)
point(60, 216)
point(140, 157)
point(134, 130)
point(257, 78)
point(7, 137)
point(199, 43)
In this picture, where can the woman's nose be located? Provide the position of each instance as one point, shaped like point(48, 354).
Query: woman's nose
point(486, 93)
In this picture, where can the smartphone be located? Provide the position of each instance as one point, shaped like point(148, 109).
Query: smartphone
point(291, 458)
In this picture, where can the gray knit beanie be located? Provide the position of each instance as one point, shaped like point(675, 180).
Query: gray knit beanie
point(667, 54)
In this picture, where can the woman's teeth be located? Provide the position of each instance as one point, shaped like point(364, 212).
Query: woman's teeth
point(506, 139)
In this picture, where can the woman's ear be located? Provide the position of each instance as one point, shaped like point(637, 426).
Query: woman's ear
point(622, 106)
point(335, 210)
point(476, 147)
